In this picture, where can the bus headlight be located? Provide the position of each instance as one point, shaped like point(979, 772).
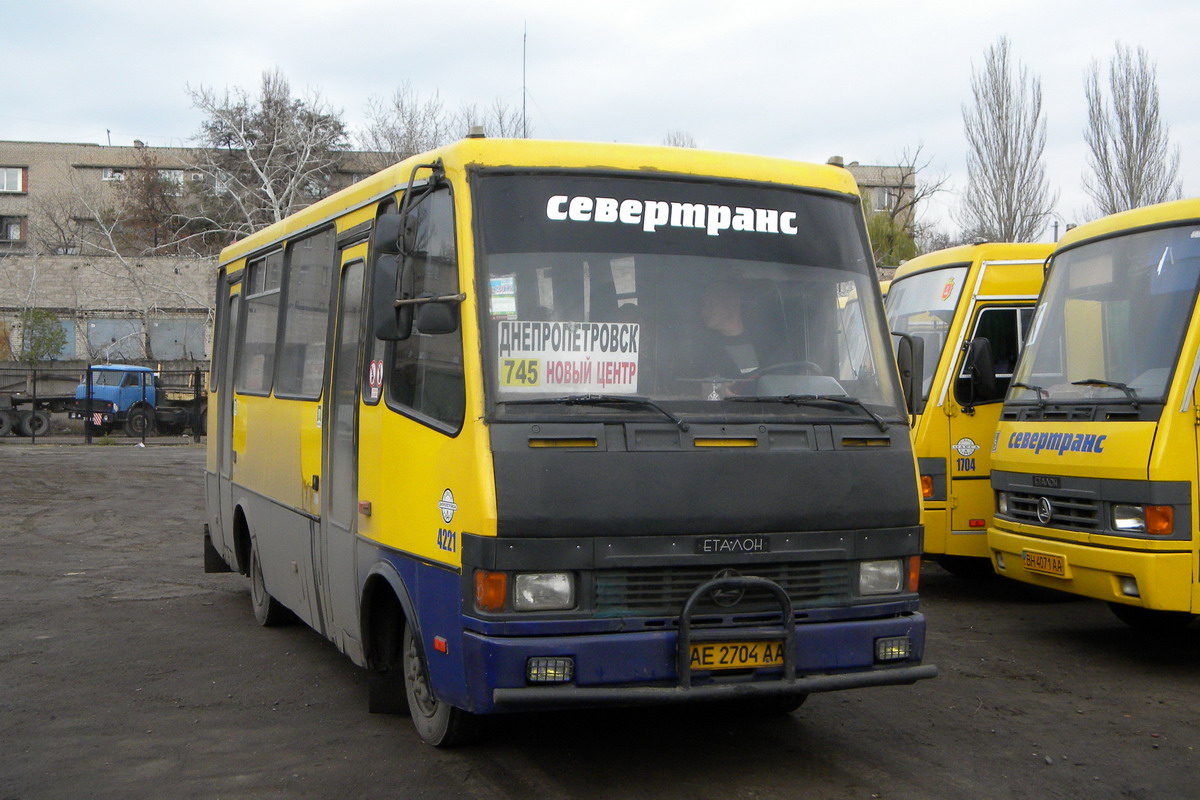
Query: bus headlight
point(880, 577)
point(1002, 503)
point(1155, 520)
point(543, 591)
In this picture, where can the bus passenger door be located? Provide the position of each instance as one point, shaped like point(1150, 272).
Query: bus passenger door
point(974, 427)
point(336, 570)
point(226, 368)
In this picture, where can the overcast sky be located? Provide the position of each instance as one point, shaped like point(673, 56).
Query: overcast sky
point(802, 79)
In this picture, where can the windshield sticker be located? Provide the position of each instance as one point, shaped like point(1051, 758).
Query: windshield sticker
point(503, 297)
point(569, 357)
point(948, 289)
point(651, 215)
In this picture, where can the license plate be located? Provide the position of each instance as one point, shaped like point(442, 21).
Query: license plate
point(1045, 563)
point(737, 655)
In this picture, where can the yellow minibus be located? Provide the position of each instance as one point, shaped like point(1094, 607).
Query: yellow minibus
point(971, 307)
point(526, 424)
point(1094, 461)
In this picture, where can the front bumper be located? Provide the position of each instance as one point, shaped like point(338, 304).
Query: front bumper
point(642, 667)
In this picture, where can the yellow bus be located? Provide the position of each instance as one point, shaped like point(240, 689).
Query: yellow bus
point(1094, 462)
point(971, 307)
point(528, 424)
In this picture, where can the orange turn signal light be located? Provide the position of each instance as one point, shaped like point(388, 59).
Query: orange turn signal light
point(491, 590)
point(1160, 520)
point(926, 486)
point(914, 572)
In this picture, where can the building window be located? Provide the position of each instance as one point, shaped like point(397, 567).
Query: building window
point(12, 179)
point(112, 174)
point(12, 229)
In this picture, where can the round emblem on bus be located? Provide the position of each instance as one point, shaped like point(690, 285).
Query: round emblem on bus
point(965, 446)
point(727, 598)
point(1045, 511)
point(447, 506)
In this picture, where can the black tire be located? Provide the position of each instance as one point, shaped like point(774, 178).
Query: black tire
point(1150, 621)
point(33, 423)
point(967, 567)
point(139, 423)
point(267, 610)
point(7, 420)
point(437, 723)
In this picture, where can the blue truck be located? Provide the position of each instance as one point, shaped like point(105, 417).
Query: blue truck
point(136, 399)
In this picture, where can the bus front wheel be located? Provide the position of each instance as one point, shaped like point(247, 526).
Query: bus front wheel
point(439, 724)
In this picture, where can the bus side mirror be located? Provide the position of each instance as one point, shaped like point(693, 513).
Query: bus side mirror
point(910, 358)
point(981, 368)
point(392, 323)
point(385, 237)
point(437, 317)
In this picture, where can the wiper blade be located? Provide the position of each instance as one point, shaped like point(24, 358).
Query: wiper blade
point(816, 399)
point(598, 400)
point(1128, 390)
point(1037, 391)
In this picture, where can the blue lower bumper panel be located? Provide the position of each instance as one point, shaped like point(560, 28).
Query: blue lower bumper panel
point(640, 667)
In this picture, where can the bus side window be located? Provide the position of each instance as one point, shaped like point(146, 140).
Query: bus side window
point(425, 373)
point(1003, 328)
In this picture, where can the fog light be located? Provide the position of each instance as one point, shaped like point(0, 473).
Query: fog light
point(550, 670)
point(1000, 561)
point(893, 648)
point(1128, 585)
point(543, 591)
point(880, 577)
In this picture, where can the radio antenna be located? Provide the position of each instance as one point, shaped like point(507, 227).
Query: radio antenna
point(524, 48)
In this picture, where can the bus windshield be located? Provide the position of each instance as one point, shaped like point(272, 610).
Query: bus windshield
point(693, 297)
point(923, 305)
point(1112, 320)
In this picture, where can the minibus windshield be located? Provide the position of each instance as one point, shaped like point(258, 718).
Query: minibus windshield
point(1112, 320)
point(923, 305)
point(687, 295)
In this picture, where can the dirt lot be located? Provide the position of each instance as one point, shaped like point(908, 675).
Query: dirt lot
point(126, 672)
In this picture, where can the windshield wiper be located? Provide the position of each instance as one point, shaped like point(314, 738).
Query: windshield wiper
point(598, 400)
point(1037, 391)
point(815, 399)
point(1129, 392)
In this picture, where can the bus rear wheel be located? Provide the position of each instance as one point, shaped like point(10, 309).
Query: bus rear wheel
point(439, 724)
point(1151, 621)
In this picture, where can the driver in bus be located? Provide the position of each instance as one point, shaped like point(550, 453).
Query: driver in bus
point(726, 344)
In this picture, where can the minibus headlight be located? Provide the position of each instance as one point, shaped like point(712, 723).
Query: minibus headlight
point(1002, 503)
point(1155, 520)
point(880, 577)
point(543, 591)
point(1129, 518)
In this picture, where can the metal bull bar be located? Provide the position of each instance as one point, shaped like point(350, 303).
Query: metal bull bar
point(741, 583)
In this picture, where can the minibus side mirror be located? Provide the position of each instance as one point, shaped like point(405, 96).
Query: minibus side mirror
point(392, 323)
point(910, 359)
point(981, 368)
point(437, 317)
point(385, 238)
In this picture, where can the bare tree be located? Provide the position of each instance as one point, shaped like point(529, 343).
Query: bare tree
point(499, 121)
point(679, 139)
point(1007, 198)
point(402, 126)
point(1129, 151)
point(912, 191)
point(265, 157)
